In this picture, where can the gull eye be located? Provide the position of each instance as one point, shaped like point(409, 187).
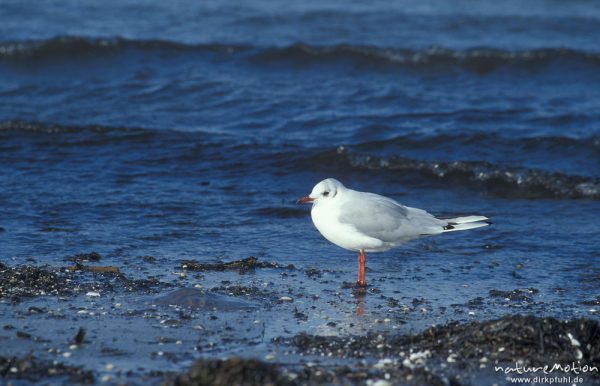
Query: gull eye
point(326, 193)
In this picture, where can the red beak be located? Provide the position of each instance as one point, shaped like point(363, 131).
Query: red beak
point(304, 200)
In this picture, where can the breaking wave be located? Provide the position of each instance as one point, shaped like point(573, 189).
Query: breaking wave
point(511, 182)
point(475, 59)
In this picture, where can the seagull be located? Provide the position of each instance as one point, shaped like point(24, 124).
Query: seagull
point(367, 222)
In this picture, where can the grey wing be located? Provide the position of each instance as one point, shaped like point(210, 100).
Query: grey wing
point(385, 219)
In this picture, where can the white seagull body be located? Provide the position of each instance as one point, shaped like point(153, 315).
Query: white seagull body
point(367, 222)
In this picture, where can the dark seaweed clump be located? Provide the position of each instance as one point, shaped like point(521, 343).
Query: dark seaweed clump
point(534, 340)
point(84, 257)
point(242, 265)
point(467, 349)
point(30, 281)
point(514, 295)
point(32, 369)
point(233, 371)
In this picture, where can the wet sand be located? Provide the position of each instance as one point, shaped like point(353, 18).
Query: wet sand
point(254, 322)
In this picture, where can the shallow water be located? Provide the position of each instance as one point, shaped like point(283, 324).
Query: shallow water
point(187, 131)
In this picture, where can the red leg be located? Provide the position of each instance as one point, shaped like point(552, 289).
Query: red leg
point(361, 282)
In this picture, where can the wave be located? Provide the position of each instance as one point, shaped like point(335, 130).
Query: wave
point(65, 46)
point(510, 182)
point(49, 128)
point(504, 181)
point(475, 59)
point(414, 141)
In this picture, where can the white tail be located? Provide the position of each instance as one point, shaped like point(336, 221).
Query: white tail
point(466, 222)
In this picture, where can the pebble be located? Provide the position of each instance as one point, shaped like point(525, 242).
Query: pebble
point(382, 363)
point(416, 359)
point(92, 294)
point(286, 299)
point(378, 382)
point(292, 376)
point(574, 341)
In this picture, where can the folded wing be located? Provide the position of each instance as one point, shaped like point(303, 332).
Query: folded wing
point(387, 220)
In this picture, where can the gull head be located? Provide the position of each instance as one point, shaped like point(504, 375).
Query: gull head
point(323, 191)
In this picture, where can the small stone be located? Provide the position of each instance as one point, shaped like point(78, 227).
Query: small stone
point(574, 341)
point(383, 363)
point(378, 382)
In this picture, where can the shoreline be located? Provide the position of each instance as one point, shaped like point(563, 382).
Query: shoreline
point(233, 345)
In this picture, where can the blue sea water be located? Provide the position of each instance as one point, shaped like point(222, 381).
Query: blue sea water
point(187, 130)
point(131, 121)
